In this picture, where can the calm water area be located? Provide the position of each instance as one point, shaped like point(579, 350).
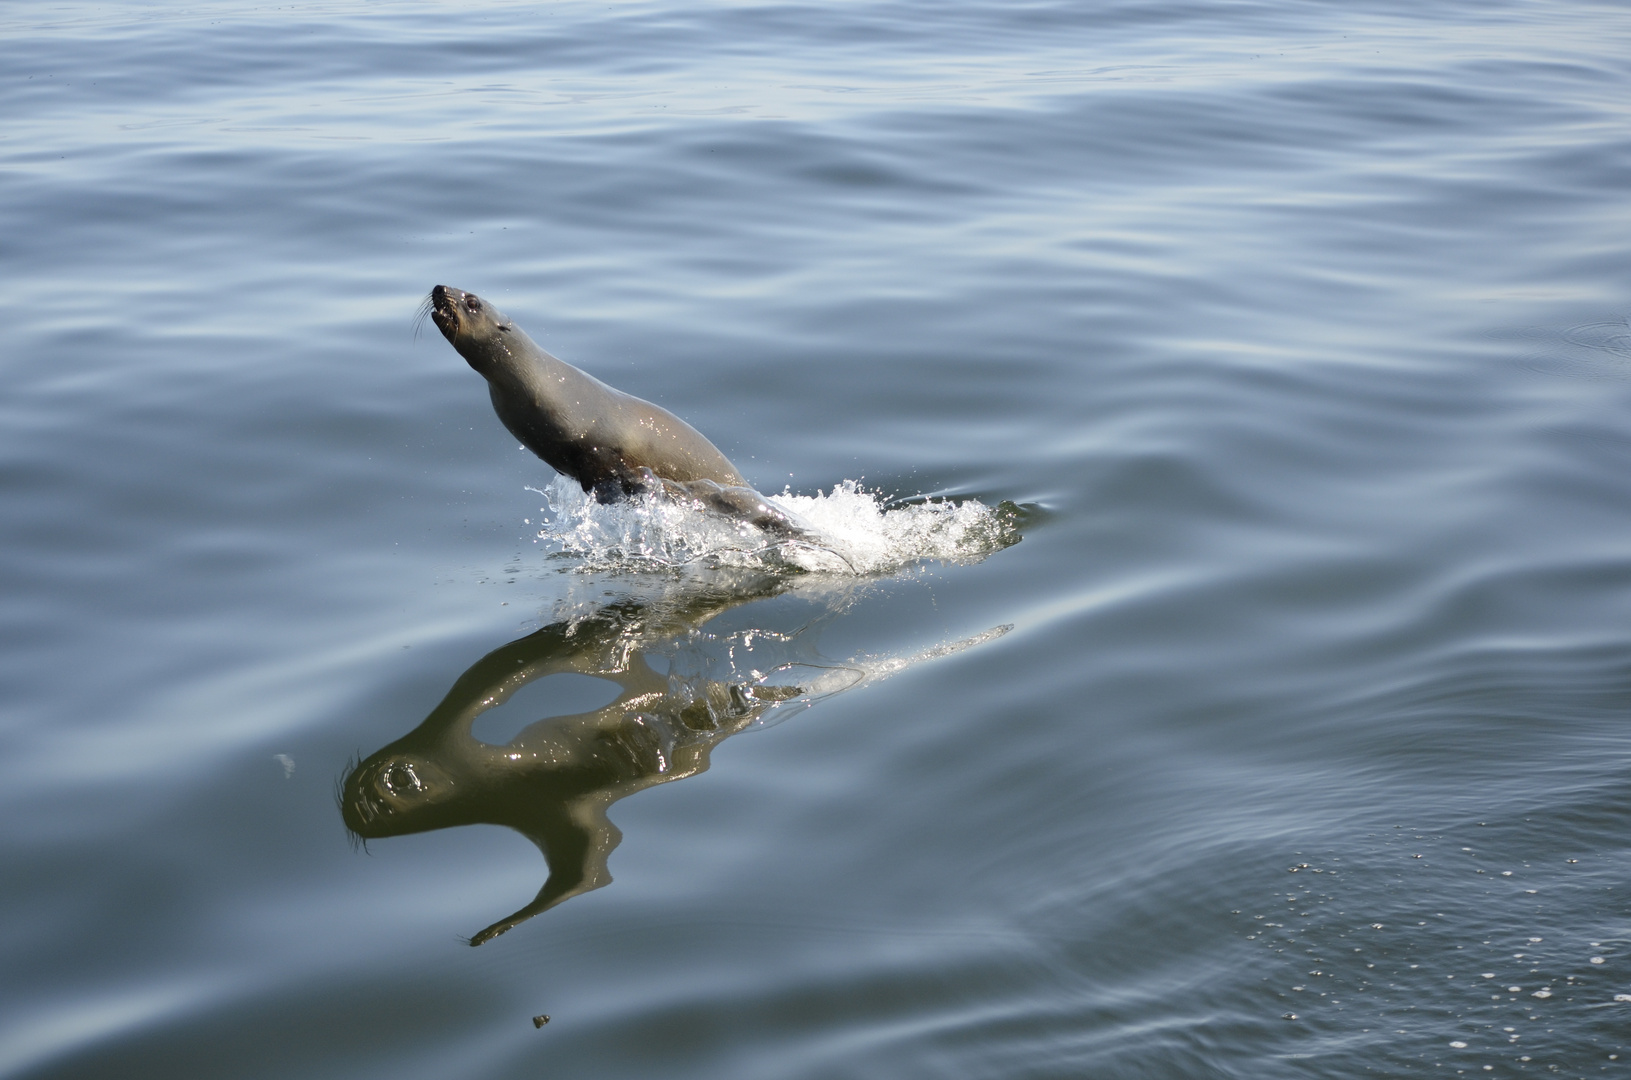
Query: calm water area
point(1285, 731)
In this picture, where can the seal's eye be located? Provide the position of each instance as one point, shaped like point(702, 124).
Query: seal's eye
point(401, 779)
point(472, 303)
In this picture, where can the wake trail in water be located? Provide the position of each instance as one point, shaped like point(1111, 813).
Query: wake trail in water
point(851, 531)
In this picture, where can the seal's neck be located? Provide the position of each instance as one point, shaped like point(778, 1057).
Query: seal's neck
point(511, 361)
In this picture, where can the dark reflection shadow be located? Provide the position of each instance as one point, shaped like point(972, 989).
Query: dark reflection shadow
point(681, 691)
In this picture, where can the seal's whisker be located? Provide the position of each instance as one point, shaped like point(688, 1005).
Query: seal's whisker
point(426, 306)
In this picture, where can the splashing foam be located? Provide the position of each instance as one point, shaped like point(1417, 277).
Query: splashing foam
point(857, 532)
point(793, 687)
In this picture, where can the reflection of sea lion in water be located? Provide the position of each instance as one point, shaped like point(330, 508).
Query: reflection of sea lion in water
point(614, 444)
point(555, 780)
point(685, 684)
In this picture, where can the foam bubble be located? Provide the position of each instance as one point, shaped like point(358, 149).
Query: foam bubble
point(852, 531)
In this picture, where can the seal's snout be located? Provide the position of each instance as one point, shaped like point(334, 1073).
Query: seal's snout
point(444, 310)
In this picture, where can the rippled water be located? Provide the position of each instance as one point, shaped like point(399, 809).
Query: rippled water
point(1289, 739)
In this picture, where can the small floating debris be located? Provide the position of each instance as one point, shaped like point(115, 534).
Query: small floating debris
point(540, 1021)
point(1598, 960)
point(1542, 994)
point(1459, 1045)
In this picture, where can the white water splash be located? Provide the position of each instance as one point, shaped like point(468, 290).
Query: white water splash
point(856, 532)
point(860, 671)
point(771, 667)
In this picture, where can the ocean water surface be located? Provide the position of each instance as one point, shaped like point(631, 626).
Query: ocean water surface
point(1226, 406)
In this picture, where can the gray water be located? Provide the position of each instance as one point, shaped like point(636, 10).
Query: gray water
point(1295, 334)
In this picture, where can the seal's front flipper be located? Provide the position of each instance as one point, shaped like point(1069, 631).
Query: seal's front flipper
point(577, 852)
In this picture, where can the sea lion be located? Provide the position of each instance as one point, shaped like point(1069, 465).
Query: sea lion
point(615, 444)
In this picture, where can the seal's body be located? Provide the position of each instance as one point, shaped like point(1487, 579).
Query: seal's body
point(612, 443)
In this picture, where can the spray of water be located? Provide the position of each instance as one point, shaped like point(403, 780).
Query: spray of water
point(856, 532)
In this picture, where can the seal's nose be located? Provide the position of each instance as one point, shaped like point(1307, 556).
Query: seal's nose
point(444, 310)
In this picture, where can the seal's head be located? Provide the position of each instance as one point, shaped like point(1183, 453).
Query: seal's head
point(395, 793)
point(478, 330)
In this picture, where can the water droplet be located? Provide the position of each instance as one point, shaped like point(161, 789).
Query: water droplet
point(1459, 1045)
point(1598, 960)
point(1542, 994)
